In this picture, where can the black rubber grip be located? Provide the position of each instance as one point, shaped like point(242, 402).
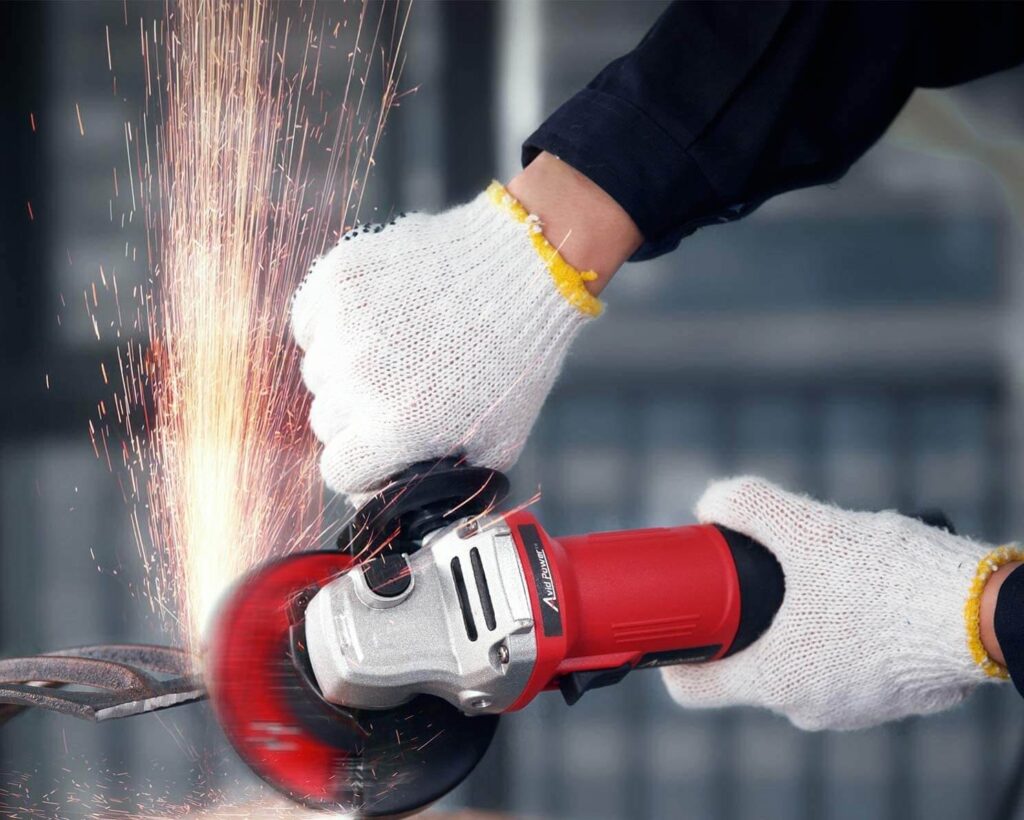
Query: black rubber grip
point(762, 587)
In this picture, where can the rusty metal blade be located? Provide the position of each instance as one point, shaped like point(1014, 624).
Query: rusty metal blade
point(119, 680)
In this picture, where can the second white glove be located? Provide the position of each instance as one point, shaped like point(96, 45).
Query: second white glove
point(435, 336)
point(879, 619)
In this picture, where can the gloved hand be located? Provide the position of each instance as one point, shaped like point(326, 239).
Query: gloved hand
point(879, 619)
point(435, 336)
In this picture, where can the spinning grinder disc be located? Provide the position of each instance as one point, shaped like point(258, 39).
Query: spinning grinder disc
point(376, 763)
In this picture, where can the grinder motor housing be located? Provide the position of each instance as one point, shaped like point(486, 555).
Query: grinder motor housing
point(491, 610)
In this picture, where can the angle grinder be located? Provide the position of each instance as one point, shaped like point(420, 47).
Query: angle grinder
point(370, 679)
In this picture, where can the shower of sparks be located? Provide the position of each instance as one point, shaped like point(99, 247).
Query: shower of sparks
point(250, 159)
point(101, 789)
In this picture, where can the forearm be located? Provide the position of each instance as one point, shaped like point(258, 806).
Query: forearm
point(589, 228)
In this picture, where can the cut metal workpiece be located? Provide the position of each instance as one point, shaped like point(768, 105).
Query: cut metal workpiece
point(110, 681)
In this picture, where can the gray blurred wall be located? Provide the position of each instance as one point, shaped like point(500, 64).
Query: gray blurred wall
point(860, 342)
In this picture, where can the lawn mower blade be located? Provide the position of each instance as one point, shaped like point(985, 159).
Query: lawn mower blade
point(122, 679)
point(375, 763)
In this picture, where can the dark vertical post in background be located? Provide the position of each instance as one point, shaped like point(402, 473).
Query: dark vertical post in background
point(22, 240)
point(24, 179)
point(388, 166)
point(468, 80)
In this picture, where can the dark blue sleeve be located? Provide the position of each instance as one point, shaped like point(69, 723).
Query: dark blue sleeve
point(725, 104)
point(1009, 625)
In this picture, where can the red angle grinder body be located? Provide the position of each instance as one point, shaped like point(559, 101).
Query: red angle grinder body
point(371, 679)
point(608, 603)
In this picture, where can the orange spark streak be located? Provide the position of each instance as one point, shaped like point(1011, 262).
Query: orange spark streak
point(234, 218)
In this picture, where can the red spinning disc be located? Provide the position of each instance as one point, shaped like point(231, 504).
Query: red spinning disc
point(374, 762)
point(253, 682)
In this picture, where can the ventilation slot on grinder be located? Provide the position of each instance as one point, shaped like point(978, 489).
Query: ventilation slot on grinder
point(463, 593)
point(482, 589)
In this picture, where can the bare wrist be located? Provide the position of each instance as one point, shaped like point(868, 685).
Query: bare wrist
point(989, 597)
point(589, 228)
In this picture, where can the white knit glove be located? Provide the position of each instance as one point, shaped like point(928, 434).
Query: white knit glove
point(435, 336)
point(879, 619)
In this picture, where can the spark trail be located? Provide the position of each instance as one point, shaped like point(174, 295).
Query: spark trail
point(250, 159)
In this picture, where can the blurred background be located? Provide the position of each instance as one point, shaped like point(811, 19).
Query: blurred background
point(862, 342)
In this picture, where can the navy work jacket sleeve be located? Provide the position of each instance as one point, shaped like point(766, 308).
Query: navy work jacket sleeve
point(1009, 625)
point(723, 105)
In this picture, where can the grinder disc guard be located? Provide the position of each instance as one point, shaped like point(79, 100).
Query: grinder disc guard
point(372, 762)
point(422, 498)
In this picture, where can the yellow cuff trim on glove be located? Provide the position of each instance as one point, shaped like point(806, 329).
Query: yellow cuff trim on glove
point(972, 608)
point(568, 280)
